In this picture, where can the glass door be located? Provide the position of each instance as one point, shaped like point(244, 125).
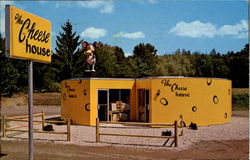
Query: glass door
point(103, 107)
point(147, 105)
point(143, 105)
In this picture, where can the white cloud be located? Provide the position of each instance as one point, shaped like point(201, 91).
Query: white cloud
point(146, 1)
point(242, 35)
point(2, 14)
point(93, 33)
point(103, 6)
point(63, 4)
point(107, 8)
point(3, 3)
point(153, 1)
point(2, 25)
point(134, 35)
point(128, 54)
point(197, 29)
point(194, 29)
point(239, 30)
point(42, 2)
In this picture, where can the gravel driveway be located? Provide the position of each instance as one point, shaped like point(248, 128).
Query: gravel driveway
point(226, 141)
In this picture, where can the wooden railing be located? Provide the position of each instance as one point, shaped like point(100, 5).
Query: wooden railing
point(35, 122)
point(176, 125)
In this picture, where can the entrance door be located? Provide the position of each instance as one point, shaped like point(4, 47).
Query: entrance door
point(103, 101)
point(143, 105)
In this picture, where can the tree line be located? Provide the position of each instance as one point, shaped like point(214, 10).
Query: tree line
point(68, 62)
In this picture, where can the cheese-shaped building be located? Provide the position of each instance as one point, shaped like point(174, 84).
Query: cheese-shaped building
point(204, 101)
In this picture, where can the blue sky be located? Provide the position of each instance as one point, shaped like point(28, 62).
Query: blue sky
point(197, 25)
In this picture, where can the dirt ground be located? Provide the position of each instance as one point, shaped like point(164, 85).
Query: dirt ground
point(235, 149)
point(47, 150)
point(17, 105)
point(23, 110)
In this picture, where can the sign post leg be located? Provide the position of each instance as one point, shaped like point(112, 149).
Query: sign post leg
point(30, 106)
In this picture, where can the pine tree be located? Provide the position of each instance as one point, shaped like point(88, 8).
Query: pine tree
point(8, 74)
point(67, 54)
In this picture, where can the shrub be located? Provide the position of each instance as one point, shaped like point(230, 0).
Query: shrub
point(240, 101)
point(54, 87)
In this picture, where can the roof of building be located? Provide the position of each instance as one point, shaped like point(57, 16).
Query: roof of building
point(160, 77)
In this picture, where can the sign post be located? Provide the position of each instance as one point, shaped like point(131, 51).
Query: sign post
point(28, 37)
point(30, 106)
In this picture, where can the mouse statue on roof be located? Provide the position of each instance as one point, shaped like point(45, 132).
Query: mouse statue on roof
point(89, 52)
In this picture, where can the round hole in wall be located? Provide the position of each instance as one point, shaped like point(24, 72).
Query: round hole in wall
point(225, 116)
point(194, 108)
point(209, 82)
point(229, 91)
point(164, 101)
point(87, 107)
point(79, 81)
point(64, 96)
point(215, 99)
point(84, 92)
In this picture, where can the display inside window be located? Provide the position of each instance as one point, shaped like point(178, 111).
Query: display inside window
point(119, 104)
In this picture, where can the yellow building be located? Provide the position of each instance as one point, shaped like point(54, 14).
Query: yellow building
point(204, 101)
